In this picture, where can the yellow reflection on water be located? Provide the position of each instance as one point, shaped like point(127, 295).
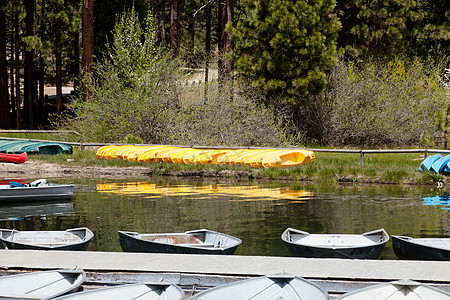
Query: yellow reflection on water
point(239, 193)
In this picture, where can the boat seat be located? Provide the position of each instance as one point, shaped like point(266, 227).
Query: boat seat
point(38, 182)
point(15, 184)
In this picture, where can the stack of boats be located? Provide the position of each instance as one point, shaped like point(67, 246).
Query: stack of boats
point(437, 164)
point(64, 284)
point(183, 155)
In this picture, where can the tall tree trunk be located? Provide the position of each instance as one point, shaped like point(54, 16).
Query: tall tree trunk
point(191, 30)
point(160, 20)
point(4, 93)
point(19, 124)
point(88, 41)
point(225, 16)
point(41, 71)
point(76, 69)
point(28, 84)
point(11, 75)
point(207, 47)
point(174, 28)
point(58, 67)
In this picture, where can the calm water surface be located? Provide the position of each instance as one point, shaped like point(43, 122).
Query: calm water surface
point(256, 212)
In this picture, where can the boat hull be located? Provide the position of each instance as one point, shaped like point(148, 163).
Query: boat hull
point(76, 239)
point(13, 158)
point(365, 246)
point(40, 285)
point(370, 252)
point(130, 242)
point(38, 193)
point(404, 248)
point(280, 286)
point(402, 289)
point(141, 291)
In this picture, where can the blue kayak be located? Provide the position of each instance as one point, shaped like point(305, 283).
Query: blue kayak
point(428, 162)
point(439, 165)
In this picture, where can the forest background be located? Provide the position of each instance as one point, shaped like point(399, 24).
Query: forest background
point(274, 73)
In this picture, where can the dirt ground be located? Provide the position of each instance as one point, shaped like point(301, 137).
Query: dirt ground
point(35, 168)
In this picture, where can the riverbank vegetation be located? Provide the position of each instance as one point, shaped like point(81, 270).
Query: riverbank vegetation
point(289, 73)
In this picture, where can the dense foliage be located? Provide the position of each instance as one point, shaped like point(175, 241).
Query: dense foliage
point(286, 47)
point(136, 92)
point(394, 103)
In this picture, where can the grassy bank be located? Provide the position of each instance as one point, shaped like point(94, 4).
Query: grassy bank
point(386, 168)
point(328, 167)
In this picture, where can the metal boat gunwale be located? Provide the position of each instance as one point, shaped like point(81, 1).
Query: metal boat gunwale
point(74, 285)
point(243, 282)
point(87, 237)
point(381, 230)
point(137, 237)
point(364, 292)
point(95, 292)
point(414, 241)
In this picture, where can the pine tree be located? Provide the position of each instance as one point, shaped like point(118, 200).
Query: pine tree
point(286, 47)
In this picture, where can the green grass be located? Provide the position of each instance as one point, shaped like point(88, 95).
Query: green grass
point(328, 167)
point(393, 168)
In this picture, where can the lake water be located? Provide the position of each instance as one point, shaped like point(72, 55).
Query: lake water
point(256, 212)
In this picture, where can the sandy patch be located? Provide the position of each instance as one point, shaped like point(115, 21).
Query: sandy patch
point(35, 168)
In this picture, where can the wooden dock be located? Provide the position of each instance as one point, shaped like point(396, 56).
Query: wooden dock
point(196, 273)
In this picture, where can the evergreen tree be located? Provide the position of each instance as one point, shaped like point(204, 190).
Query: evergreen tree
point(286, 47)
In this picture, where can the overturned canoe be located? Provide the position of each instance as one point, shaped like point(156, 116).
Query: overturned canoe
point(368, 245)
point(13, 158)
point(40, 285)
point(402, 289)
point(70, 239)
point(138, 291)
point(406, 247)
point(34, 147)
point(202, 241)
point(279, 286)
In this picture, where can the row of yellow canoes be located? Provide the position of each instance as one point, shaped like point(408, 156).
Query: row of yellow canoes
point(251, 157)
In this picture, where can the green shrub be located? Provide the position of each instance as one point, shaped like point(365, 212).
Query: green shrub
point(378, 104)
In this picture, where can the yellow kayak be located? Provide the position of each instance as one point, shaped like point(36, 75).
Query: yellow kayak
point(150, 155)
point(178, 157)
point(133, 155)
point(209, 156)
point(289, 158)
point(110, 153)
point(189, 156)
point(102, 150)
point(229, 157)
point(250, 161)
point(164, 155)
point(120, 153)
